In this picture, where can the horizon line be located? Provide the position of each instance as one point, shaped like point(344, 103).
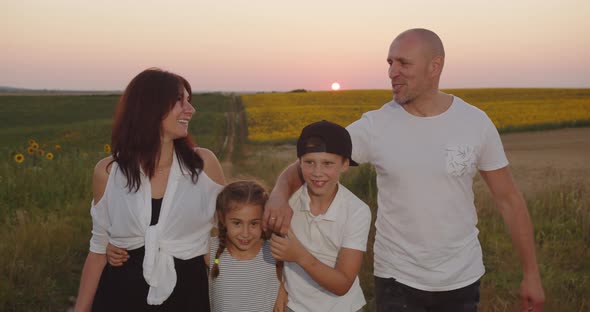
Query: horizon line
point(10, 89)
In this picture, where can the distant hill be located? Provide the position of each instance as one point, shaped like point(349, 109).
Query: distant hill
point(4, 89)
point(12, 90)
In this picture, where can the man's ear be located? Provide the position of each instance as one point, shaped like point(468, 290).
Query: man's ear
point(436, 65)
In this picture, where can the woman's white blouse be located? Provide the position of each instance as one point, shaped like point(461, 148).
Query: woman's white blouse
point(186, 217)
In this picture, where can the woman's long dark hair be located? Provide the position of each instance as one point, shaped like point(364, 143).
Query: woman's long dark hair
point(147, 100)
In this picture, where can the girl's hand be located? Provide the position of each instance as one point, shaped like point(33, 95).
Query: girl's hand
point(116, 256)
point(287, 248)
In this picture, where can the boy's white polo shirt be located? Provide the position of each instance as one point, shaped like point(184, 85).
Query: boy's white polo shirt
point(345, 224)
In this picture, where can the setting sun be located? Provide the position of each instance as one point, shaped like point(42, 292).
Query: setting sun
point(335, 86)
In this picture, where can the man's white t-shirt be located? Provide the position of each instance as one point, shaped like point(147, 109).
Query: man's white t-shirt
point(426, 220)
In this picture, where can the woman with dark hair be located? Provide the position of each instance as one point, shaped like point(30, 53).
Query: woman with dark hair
point(155, 196)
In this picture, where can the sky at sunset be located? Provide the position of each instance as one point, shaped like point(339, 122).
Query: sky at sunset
point(263, 45)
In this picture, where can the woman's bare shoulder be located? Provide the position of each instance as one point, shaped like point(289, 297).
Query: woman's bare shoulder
point(212, 167)
point(100, 177)
point(103, 166)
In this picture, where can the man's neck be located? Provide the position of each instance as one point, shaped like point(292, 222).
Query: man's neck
point(429, 104)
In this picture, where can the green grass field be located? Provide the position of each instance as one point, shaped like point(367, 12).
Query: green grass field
point(45, 220)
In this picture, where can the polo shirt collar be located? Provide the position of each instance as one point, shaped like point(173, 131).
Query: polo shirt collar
point(330, 214)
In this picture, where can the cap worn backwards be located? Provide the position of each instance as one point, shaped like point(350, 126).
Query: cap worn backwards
point(335, 139)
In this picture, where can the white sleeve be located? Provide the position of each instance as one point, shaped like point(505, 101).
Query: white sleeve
point(491, 156)
point(361, 139)
point(356, 231)
point(100, 225)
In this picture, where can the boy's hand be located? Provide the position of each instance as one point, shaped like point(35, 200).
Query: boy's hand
point(287, 248)
point(116, 256)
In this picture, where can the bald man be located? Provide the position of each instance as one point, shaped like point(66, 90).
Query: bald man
point(426, 147)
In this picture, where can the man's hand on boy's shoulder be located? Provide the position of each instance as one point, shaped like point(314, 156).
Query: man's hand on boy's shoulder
point(277, 216)
point(277, 212)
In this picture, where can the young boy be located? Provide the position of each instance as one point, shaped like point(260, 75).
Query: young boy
point(324, 248)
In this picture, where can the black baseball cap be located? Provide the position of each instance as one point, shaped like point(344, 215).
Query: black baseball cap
point(335, 139)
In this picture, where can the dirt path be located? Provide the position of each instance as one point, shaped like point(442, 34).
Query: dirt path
point(228, 143)
point(236, 132)
point(562, 149)
point(538, 159)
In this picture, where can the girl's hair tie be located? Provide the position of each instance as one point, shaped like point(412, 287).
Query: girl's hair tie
point(216, 260)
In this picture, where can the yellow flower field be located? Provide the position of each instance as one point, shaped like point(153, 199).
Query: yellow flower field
point(280, 116)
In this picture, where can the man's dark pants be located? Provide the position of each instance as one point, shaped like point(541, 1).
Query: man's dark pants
point(392, 296)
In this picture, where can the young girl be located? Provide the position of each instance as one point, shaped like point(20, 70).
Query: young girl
point(244, 276)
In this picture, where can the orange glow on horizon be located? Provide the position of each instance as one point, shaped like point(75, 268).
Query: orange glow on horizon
point(266, 46)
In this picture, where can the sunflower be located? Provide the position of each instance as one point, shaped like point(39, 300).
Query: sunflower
point(31, 141)
point(107, 148)
point(19, 158)
point(30, 150)
point(49, 156)
point(35, 145)
point(57, 147)
point(41, 152)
